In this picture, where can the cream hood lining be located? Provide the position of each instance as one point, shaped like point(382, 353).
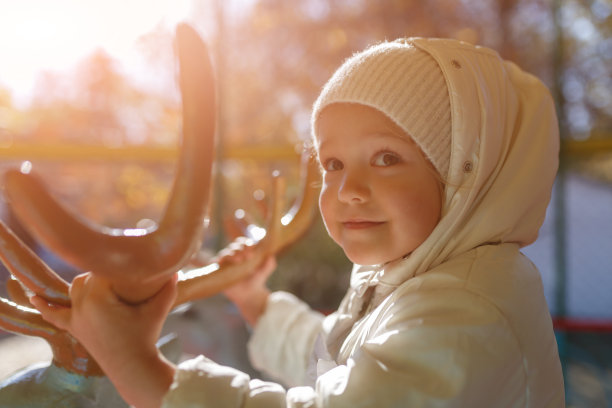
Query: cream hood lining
point(504, 157)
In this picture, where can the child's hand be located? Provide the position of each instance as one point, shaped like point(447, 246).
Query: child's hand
point(250, 294)
point(119, 336)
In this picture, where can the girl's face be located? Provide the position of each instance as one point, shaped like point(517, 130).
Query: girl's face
point(381, 197)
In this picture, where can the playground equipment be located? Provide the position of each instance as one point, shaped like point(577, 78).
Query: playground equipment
point(137, 261)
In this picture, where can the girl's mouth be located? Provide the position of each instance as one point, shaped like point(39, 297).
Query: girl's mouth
point(361, 224)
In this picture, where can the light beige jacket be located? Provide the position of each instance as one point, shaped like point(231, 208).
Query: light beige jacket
point(462, 321)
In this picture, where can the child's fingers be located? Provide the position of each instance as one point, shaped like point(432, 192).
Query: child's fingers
point(269, 264)
point(59, 316)
point(256, 279)
point(266, 268)
point(162, 302)
point(77, 288)
point(92, 289)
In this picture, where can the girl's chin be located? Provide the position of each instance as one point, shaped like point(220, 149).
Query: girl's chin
point(363, 258)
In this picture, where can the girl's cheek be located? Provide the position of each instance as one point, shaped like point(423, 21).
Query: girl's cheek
point(325, 197)
point(325, 187)
point(327, 215)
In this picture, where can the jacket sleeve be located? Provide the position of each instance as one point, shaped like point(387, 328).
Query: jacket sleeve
point(281, 346)
point(283, 342)
point(201, 383)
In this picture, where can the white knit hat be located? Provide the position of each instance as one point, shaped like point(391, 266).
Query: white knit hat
point(407, 85)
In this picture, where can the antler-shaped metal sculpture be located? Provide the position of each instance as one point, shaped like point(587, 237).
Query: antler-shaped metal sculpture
point(137, 261)
point(282, 231)
point(143, 256)
point(17, 316)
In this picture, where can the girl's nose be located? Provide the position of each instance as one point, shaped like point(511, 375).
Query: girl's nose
point(354, 188)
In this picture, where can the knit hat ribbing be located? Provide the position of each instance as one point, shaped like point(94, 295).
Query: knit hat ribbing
point(407, 85)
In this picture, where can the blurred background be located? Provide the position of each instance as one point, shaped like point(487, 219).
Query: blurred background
point(88, 98)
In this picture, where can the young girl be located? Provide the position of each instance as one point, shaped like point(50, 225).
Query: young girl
point(438, 160)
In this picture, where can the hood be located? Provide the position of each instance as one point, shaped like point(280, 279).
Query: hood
point(504, 158)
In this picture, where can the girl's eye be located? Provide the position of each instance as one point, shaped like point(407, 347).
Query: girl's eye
point(384, 159)
point(332, 165)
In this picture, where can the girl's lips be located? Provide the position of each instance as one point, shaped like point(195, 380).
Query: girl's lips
point(360, 224)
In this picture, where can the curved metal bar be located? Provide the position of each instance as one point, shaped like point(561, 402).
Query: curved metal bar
point(300, 217)
point(237, 226)
point(281, 232)
point(17, 316)
point(24, 264)
point(138, 261)
point(17, 293)
point(68, 353)
point(214, 278)
point(22, 320)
